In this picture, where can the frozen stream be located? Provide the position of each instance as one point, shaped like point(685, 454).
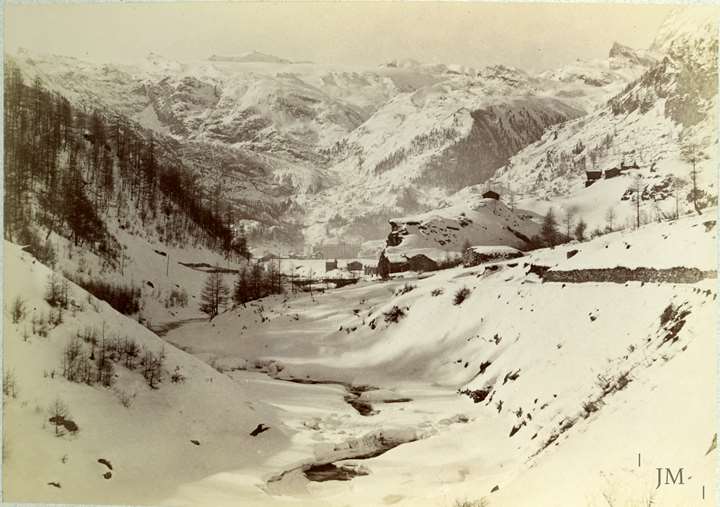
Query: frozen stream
point(337, 429)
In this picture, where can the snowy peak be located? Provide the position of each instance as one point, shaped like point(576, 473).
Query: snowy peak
point(630, 55)
point(405, 63)
point(250, 57)
point(686, 77)
point(685, 28)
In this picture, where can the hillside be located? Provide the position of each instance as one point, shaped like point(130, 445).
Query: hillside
point(145, 434)
point(662, 121)
point(476, 221)
point(481, 393)
point(104, 201)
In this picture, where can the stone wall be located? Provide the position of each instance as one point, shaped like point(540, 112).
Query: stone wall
point(622, 275)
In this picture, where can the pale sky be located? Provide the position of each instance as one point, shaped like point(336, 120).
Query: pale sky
point(529, 36)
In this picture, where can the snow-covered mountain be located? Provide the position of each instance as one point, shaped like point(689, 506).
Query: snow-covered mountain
point(252, 56)
point(660, 121)
point(318, 137)
point(132, 179)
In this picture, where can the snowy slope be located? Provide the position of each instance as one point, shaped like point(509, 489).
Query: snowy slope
point(148, 443)
point(628, 357)
point(655, 122)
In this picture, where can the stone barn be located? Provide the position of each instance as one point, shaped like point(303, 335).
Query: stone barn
point(354, 266)
point(612, 172)
point(421, 262)
point(592, 177)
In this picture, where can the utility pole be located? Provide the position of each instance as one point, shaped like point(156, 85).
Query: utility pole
point(694, 184)
point(637, 201)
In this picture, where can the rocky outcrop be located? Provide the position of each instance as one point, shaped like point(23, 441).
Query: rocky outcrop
point(497, 133)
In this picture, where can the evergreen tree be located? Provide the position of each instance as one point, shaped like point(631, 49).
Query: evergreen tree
point(580, 229)
point(214, 295)
point(241, 287)
point(549, 231)
point(256, 281)
point(383, 267)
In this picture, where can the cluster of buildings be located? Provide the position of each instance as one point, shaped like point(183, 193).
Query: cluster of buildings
point(612, 172)
point(354, 266)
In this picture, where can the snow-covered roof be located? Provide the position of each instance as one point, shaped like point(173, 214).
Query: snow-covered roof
point(495, 251)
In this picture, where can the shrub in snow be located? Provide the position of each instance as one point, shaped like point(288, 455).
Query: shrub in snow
point(39, 326)
point(124, 298)
point(405, 289)
point(152, 367)
point(461, 295)
point(668, 314)
point(57, 291)
point(177, 297)
point(590, 406)
point(436, 292)
point(126, 399)
point(394, 314)
point(70, 426)
point(10, 385)
point(60, 418)
point(177, 377)
point(18, 309)
point(74, 361)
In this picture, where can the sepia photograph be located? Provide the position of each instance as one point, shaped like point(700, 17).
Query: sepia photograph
point(360, 254)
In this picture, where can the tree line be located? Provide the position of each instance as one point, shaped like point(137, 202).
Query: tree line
point(67, 168)
point(252, 282)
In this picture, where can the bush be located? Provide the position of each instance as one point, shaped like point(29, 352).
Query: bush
point(590, 407)
point(124, 298)
point(126, 399)
point(177, 376)
point(177, 297)
point(461, 295)
point(56, 291)
point(405, 289)
point(60, 417)
point(18, 309)
point(40, 326)
point(394, 314)
point(10, 385)
point(436, 292)
point(668, 314)
point(152, 365)
point(98, 364)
